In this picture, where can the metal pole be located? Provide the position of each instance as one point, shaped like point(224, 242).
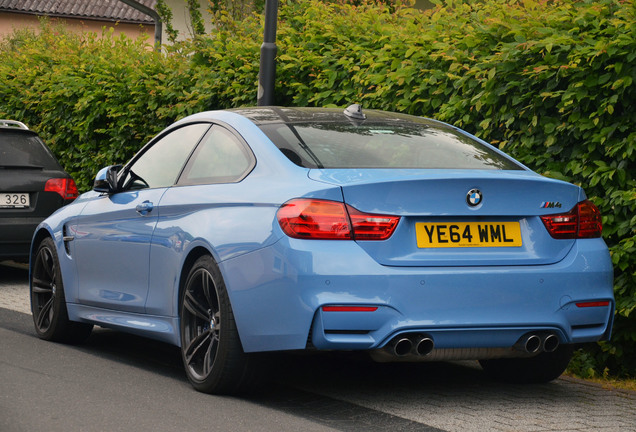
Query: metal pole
point(152, 14)
point(267, 71)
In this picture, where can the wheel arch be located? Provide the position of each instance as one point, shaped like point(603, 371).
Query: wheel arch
point(188, 263)
point(39, 235)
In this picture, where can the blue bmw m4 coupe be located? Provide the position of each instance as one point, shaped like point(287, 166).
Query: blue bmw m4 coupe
point(270, 229)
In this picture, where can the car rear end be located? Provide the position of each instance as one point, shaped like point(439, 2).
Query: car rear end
point(469, 280)
point(32, 186)
point(439, 247)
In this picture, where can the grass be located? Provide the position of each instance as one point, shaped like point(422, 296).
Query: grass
point(608, 382)
point(611, 383)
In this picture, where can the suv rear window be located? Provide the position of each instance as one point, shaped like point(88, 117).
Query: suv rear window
point(383, 145)
point(25, 150)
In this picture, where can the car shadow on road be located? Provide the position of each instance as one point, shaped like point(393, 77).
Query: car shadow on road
point(135, 351)
point(311, 371)
point(341, 391)
point(11, 272)
point(294, 369)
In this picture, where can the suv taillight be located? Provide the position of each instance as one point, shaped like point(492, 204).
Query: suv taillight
point(583, 221)
point(331, 220)
point(66, 188)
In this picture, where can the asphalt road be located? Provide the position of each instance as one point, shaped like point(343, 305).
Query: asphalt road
point(118, 382)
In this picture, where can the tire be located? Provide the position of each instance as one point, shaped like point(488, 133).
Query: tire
point(48, 304)
point(211, 350)
point(541, 368)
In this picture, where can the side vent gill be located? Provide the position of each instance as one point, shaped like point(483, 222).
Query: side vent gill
point(67, 240)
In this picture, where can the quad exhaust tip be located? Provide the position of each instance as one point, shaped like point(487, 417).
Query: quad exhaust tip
point(402, 346)
point(533, 343)
point(419, 345)
point(550, 343)
point(530, 343)
point(424, 346)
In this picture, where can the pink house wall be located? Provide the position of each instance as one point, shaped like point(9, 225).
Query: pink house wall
point(11, 21)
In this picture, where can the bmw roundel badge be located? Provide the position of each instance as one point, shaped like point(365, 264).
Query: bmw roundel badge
point(474, 197)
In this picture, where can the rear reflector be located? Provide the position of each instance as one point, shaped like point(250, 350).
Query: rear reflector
point(593, 304)
point(66, 188)
point(583, 221)
point(332, 220)
point(349, 308)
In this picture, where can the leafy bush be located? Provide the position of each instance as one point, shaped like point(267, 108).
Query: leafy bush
point(552, 83)
point(88, 96)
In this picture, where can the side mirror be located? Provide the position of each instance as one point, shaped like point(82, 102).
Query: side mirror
point(106, 180)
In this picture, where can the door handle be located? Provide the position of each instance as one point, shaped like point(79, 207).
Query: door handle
point(144, 208)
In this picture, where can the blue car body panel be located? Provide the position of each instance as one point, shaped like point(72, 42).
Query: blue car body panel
point(431, 300)
point(111, 228)
point(124, 267)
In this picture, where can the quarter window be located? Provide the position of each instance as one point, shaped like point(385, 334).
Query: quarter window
point(220, 158)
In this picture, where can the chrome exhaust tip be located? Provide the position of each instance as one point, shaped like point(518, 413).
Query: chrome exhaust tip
point(530, 343)
point(550, 343)
point(424, 346)
point(533, 344)
point(402, 347)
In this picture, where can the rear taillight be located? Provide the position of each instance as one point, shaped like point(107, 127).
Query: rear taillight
point(583, 221)
point(66, 188)
point(331, 220)
point(371, 226)
point(315, 219)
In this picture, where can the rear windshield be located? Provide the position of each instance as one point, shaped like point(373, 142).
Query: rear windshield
point(383, 145)
point(25, 150)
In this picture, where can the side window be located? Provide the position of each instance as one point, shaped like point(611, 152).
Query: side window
point(220, 158)
point(160, 165)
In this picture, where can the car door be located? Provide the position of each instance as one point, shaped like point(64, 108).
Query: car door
point(112, 244)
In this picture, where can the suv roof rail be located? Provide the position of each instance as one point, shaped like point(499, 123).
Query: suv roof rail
point(12, 124)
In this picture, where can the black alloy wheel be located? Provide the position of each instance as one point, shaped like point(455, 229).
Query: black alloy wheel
point(48, 304)
point(201, 324)
point(210, 346)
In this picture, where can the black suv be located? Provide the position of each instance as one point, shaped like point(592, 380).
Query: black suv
point(32, 186)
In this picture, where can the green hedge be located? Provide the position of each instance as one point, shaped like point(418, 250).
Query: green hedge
point(552, 83)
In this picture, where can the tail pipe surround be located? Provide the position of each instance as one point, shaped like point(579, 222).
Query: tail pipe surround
point(534, 343)
point(413, 347)
point(550, 343)
point(413, 344)
point(401, 346)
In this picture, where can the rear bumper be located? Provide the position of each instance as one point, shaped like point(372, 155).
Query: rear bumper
point(278, 293)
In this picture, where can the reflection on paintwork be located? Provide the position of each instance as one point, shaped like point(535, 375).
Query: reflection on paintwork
point(116, 296)
point(123, 322)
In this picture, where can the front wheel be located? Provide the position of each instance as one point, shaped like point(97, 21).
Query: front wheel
point(210, 346)
point(48, 303)
point(541, 368)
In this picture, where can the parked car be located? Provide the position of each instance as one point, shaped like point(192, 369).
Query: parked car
point(32, 186)
point(269, 229)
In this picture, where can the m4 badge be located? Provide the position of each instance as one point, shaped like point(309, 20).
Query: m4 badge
point(550, 204)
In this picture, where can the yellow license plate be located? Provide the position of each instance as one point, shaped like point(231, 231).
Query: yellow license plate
point(468, 234)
